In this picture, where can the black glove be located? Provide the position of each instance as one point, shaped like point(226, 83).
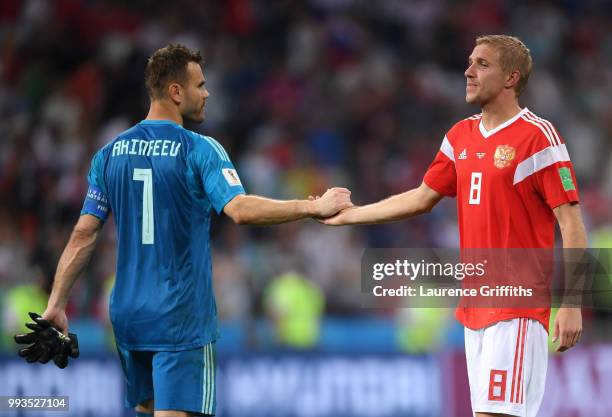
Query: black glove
point(46, 342)
point(68, 348)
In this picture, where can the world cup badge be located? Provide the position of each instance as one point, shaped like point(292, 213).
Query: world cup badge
point(504, 154)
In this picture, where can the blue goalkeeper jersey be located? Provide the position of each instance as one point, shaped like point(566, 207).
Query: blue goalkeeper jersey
point(161, 181)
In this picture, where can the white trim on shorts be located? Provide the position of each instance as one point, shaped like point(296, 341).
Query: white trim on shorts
point(507, 364)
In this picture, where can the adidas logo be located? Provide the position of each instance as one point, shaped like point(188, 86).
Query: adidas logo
point(463, 154)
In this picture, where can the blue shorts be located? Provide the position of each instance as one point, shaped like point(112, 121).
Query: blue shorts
point(183, 380)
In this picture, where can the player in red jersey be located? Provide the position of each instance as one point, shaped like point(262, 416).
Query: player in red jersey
point(512, 176)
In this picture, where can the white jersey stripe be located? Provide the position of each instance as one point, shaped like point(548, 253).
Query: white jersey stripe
point(536, 119)
point(204, 378)
point(542, 128)
point(208, 381)
point(447, 149)
point(540, 160)
point(212, 381)
point(550, 128)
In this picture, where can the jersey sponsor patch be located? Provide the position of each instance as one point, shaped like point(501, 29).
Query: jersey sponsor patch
point(231, 176)
point(566, 179)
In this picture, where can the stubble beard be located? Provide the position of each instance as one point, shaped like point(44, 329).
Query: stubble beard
point(195, 116)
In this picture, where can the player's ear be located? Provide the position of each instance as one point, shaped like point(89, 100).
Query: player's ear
point(175, 92)
point(512, 78)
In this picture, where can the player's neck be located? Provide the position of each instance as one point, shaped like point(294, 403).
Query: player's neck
point(162, 111)
point(496, 113)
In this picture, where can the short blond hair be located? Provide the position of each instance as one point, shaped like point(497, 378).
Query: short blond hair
point(513, 55)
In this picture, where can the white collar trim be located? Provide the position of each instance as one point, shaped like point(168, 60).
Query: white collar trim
point(507, 123)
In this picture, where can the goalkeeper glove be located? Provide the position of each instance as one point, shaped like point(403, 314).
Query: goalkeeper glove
point(46, 342)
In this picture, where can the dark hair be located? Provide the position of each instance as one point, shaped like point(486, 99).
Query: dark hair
point(167, 65)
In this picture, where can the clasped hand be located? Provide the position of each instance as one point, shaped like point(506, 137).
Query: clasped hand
point(331, 205)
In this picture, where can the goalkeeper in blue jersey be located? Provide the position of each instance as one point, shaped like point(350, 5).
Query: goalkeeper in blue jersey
point(161, 181)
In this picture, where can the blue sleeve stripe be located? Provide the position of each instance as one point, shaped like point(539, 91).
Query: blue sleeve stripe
point(218, 148)
point(222, 149)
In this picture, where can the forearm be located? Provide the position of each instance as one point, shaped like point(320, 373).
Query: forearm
point(390, 209)
point(75, 257)
point(567, 327)
point(574, 235)
point(574, 242)
point(574, 238)
point(261, 211)
point(400, 206)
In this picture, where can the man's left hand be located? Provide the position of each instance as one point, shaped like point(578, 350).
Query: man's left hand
point(567, 328)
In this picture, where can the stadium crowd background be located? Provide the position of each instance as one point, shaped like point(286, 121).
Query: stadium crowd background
point(304, 95)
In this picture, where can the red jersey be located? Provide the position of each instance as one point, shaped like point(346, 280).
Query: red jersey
point(507, 181)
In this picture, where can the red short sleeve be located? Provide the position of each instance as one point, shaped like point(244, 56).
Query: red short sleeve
point(441, 175)
point(557, 184)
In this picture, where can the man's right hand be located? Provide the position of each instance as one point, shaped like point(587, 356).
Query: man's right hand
point(339, 219)
point(397, 207)
point(333, 201)
point(57, 317)
point(47, 342)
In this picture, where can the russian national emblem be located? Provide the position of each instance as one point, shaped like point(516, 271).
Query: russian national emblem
point(504, 154)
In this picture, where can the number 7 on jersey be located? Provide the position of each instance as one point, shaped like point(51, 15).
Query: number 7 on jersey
point(148, 225)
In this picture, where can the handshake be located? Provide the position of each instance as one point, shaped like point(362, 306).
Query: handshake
point(46, 342)
point(329, 208)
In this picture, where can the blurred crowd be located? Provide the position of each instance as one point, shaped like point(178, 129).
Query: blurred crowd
point(304, 95)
